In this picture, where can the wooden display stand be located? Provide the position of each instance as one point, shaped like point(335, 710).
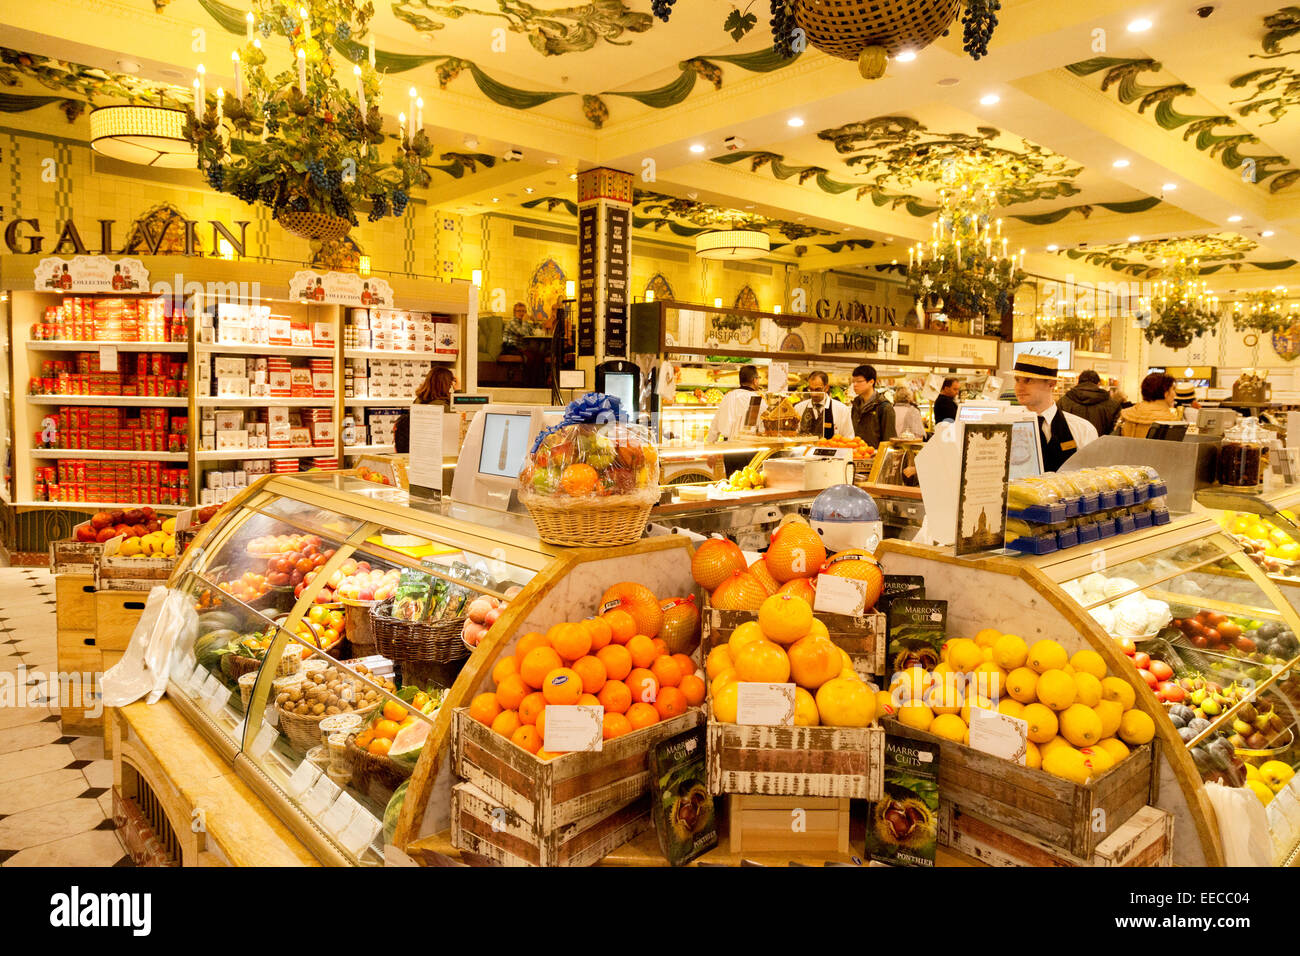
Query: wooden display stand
point(93, 630)
point(788, 824)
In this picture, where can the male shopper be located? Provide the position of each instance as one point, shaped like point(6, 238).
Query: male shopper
point(1060, 433)
point(1090, 401)
point(873, 417)
point(945, 406)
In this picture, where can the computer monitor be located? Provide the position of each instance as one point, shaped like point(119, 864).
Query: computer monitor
point(1168, 431)
point(979, 411)
point(496, 444)
point(622, 379)
point(1215, 421)
point(506, 438)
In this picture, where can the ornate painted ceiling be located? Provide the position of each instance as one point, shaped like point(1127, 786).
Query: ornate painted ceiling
point(1103, 145)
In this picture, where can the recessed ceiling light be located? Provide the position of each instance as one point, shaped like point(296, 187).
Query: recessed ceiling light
point(1134, 238)
point(1120, 163)
point(1053, 247)
point(795, 121)
point(697, 147)
point(906, 56)
point(573, 176)
point(1140, 25)
point(529, 189)
point(1267, 233)
point(129, 66)
point(1234, 219)
point(990, 99)
point(552, 161)
point(496, 198)
point(1169, 187)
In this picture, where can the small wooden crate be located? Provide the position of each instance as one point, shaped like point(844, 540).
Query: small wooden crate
point(796, 761)
point(482, 825)
point(863, 638)
point(113, 572)
point(80, 662)
point(1056, 811)
point(70, 556)
point(116, 614)
point(1144, 839)
point(761, 824)
point(74, 596)
point(547, 795)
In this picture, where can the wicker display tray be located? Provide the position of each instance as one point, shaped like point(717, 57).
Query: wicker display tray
point(597, 523)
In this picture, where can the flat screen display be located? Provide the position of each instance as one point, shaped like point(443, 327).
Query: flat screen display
point(620, 385)
point(975, 413)
point(505, 443)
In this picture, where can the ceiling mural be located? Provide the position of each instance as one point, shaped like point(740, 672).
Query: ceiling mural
point(85, 86)
point(1219, 136)
point(1148, 259)
point(551, 32)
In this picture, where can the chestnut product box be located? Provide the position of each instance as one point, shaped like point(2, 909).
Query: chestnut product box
point(281, 383)
point(232, 439)
point(299, 437)
point(229, 421)
point(322, 334)
point(281, 331)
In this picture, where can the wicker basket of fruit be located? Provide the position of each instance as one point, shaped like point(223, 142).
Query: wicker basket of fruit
point(417, 640)
point(384, 752)
point(321, 694)
point(358, 591)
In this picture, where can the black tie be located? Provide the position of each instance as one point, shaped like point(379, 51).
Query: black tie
point(1042, 439)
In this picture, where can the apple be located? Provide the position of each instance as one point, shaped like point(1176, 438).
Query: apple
point(492, 615)
point(1171, 692)
point(1244, 644)
point(1125, 644)
point(1162, 671)
point(1149, 677)
point(1141, 661)
point(1212, 636)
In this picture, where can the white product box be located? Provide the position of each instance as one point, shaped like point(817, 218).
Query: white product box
point(235, 438)
point(232, 387)
point(241, 479)
point(228, 421)
point(322, 384)
point(281, 384)
point(281, 331)
point(322, 334)
point(447, 338)
point(299, 437)
point(227, 367)
point(207, 497)
point(208, 427)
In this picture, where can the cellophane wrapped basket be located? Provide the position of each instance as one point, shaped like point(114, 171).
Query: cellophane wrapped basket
point(591, 480)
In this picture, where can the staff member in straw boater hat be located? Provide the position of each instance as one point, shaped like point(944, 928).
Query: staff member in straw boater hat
point(1060, 433)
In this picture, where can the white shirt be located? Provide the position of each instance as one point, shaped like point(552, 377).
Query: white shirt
point(840, 416)
point(1084, 432)
point(730, 415)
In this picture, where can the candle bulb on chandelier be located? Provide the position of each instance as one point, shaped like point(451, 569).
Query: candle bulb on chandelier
point(302, 71)
point(1000, 229)
point(248, 33)
point(239, 80)
point(410, 111)
point(361, 90)
point(401, 127)
point(306, 24)
point(370, 45)
point(911, 257)
point(196, 99)
point(419, 115)
point(201, 99)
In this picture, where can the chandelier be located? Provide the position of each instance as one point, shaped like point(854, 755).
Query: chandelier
point(966, 268)
point(1264, 311)
point(1181, 306)
point(143, 134)
point(732, 244)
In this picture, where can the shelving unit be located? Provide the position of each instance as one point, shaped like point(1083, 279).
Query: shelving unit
point(107, 454)
point(248, 454)
point(47, 345)
point(369, 449)
point(290, 351)
point(377, 402)
point(238, 401)
point(394, 354)
point(131, 401)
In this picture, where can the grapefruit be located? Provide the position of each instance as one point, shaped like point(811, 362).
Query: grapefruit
point(845, 703)
point(681, 625)
point(740, 592)
point(796, 551)
point(762, 662)
point(716, 560)
point(638, 601)
point(861, 566)
point(800, 588)
point(760, 570)
point(814, 661)
point(784, 618)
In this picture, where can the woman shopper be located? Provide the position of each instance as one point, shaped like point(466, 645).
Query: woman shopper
point(1157, 405)
point(436, 389)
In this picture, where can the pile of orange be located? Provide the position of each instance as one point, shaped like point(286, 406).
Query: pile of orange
point(604, 660)
point(377, 739)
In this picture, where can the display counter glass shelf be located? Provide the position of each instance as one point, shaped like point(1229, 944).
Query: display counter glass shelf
point(1266, 527)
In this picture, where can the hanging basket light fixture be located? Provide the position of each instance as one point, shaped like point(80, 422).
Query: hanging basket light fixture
point(732, 244)
point(147, 135)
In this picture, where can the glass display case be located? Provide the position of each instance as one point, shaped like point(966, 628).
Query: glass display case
point(331, 614)
point(1266, 528)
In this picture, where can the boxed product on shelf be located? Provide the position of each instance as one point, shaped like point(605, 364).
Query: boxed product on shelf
point(147, 482)
point(446, 339)
point(238, 324)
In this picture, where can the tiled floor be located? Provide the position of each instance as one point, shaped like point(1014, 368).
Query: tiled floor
point(55, 790)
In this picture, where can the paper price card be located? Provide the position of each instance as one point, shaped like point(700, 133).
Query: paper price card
point(193, 684)
point(319, 796)
point(211, 686)
point(999, 734)
point(263, 741)
point(340, 814)
point(770, 705)
point(215, 698)
point(305, 776)
point(108, 358)
point(837, 595)
point(572, 727)
point(359, 833)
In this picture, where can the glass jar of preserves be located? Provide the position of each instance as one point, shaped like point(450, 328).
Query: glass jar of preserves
point(1241, 456)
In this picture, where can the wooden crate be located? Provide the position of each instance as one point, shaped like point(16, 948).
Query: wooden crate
point(549, 794)
point(760, 824)
point(864, 638)
point(74, 595)
point(1144, 839)
point(77, 656)
point(796, 761)
point(113, 572)
point(70, 556)
point(1057, 811)
point(116, 614)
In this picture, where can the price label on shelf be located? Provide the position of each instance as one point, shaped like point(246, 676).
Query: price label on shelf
point(358, 834)
point(339, 816)
point(108, 358)
point(212, 685)
point(193, 684)
point(305, 776)
point(321, 794)
point(263, 741)
point(215, 698)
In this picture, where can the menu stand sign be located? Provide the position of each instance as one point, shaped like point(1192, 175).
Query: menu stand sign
point(982, 492)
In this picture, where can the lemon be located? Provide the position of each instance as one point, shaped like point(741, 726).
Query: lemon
point(722, 680)
point(1110, 713)
point(746, 633)
point(805, 709)
point(1087, 689)
point(1052, 744)
point(1047, 655)
point(945, 698)
point(1011, 707)
point(1010, 652)
point(988, 637)
point(719, 660)
point(1252, 772)
point(1022, 684)
point(1136, 728)
point(1089, 662)
point(1260, 790)
point(977, 703)
point(941, 668)
point(725, 702)
point(1080, 725)
point(1067, 763)
point(1114, 747)
point(1042, 723)
point(1099, 759)
point(1118, 690)
point(913, 683)
point(949, 727)
point(819, 629)
point(1055, 689)
point(915, 715)
point(1276, 774)
point(964, 655)
point(990, 680)
point(846, 703)
point(1033, 756)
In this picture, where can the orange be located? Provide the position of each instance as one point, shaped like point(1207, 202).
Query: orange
point(570, 641)
point(526, 643)
point(600, 632)
point(588, 700)
point(394, 711)
point(562, 686)
point(643, 685)
point(800, 588)
point(638, 601)
point(693, 687)
point(763, 662)
point(759, 570)
point(661, 647)
point(860, 565)
point(539, 662)
point(386, 728)
point(796, 551)
point(722, 680)
point(507, 723)
point(616, 725)
point(379, 746)
point(814, 661)
point(642, 715)
point(667, 671)
point(642, 650)
point(540, 723)
point(784, 618)
point(363, 739)
point(719, 660)
point(684, 664)
point(716, 560)
point(621, 625)
point(504, 668)
point(617, 661)
point(579, 479)
point(528, 738)
point(592, 672)
point(671, 702)
point(548, 755)
point(615, 697)
point(484, 708)
point(531, 706)
point(511, 692)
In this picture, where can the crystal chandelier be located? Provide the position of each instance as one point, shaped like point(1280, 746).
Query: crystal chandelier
point(1182, 306)
point(1265, 311)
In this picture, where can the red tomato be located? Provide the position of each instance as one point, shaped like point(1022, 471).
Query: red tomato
point(1162, 670)
point(1171, 692)
point(1141, 661)
point(1149, 677)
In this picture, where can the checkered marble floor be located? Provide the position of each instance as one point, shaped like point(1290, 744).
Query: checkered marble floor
point(56, 802)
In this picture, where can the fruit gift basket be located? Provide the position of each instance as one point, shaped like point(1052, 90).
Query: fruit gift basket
point(591, 480)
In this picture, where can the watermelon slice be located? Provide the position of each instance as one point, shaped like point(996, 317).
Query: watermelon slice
point(408, 743)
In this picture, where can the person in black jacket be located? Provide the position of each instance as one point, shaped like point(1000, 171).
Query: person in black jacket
point(872, 415)
point(945, 406)
point(1091, 402)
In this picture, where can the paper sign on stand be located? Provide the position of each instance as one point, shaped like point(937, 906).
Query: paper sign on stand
point(768, 705)
point(425, 466)
point(359, 833)
point(263, 741)
point(321, 794)
point(340, 814)
point(572, 727)
point(999, 734)
point(837, 595)
point(778, 377)
point(304, 777)
point(108, 358)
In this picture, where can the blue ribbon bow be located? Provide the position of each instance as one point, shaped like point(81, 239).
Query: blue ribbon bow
point(594, 408)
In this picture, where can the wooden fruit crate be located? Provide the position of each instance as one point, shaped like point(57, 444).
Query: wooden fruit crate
point(1073, 817)
point(116, 615)
point(113, 572)
point(70, 556)
point(481, 825)
point(863, 638)
point(74, 596)
point(761, 824)
point(1144, 839)
point(548, 795)
point(796, 761)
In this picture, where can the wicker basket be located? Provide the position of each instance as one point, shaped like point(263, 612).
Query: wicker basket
point(304, 732)
point(844, 28)
point(312, 225)
point(437, 641)
point(236, 666)
point(589, 524)
point(376, 777)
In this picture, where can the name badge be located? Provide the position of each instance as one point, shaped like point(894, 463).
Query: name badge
point(1069, 446)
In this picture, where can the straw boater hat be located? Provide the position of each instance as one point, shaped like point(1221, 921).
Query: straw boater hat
point(1035, 366)
point(1185, 393)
